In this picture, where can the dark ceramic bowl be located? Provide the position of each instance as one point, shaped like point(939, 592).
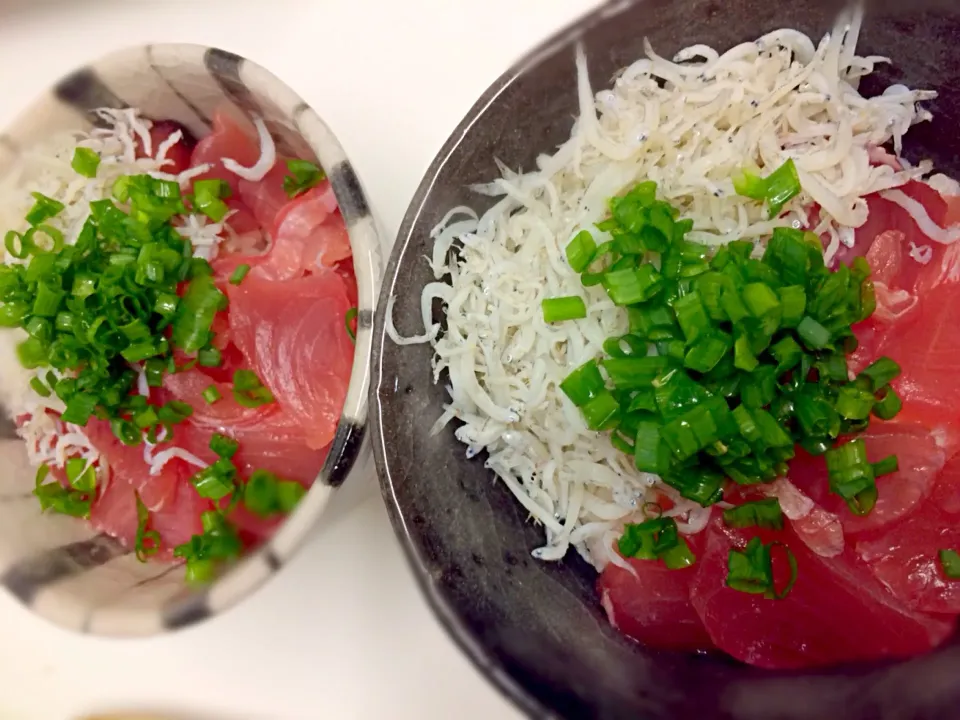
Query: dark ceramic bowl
point(537, 630)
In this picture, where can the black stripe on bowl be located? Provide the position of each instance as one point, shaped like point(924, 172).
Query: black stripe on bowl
point(365, 319)
point(29, 576)
point(345, 450)
point(183, 98)
point(224, 67)
point(271, 558)
point(187, 611)
point(85, 91)
point(350, 197)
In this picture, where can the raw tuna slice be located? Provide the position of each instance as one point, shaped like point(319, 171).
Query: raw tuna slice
point(835, 613)
point(885, 218)
point(115, 511)
point(230, 138)
point(653, 607)
point(906, 559)
point(267, 197)
point(294, 337)
point(177, 156)
point(270, 438)
point(308, 234)
point(898, 494)
point(928, 350)
point(156, 491)
point(820, 529)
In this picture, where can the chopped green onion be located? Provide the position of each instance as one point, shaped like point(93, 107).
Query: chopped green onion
point(888, 465)
point(783, 184)
point(147, 541)
point(348, 320)
point(560, 309)
point(224, 446)
point(751, 570)
point(39, 388)
point(580, 251)
point(303, 176)
point(758, 513)
point(43, 208)
point(212, 394)
point(249, 391)
point(632, 285)
point(213, 484)
point(602, 412)
point(881, 372)
point(583, 384)
point(889, 404)
point(206, 553)
point(950, 563)
point(85, 162)
point(237, 276)
point(209, 357)
point(656, 539)
point(814, 335)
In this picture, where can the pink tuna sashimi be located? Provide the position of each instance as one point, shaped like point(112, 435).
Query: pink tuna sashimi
point(177, 156)
point(835, 613)
point(156, 491)
point(231, 137)
point(820, 529)
point(266, 198)
point(308, 234)
point(928, 350)
point(906, 558)
point(115, 513)
point(269, 437)
point(898, 494)
point(653, 606)
point(294, 337)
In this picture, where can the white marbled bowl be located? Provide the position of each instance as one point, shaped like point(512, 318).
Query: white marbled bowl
point(58, 566)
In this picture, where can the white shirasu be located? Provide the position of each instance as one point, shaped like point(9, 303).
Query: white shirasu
point(47, 169)
point(689, 125)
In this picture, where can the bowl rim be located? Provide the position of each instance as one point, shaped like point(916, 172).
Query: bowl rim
point(563, 40)
point(254, 569)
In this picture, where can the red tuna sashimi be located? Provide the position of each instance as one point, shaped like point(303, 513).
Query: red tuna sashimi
point(294, 337)
point(270, 438)
point(886, 217)
point(927, 347)
point(177, 156)
point(156, 491)
point(820, 529)
point(906, 559)
point(898, 494)
point(115, 513)
point(653, 606)
point(309, 233)
point(835, 613)
point(266, 198)
point(231, 137)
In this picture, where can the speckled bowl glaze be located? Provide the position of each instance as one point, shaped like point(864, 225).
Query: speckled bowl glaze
point(59, 567)
point(537, 630)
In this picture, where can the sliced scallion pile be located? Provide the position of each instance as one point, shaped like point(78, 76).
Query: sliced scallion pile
point(730, 360)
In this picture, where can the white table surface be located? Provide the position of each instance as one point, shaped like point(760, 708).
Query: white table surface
point(342, 632)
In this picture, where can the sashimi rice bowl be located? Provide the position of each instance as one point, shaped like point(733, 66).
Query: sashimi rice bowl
point(187, 257)
point(708, 346)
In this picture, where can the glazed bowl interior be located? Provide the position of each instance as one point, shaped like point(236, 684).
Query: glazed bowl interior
point(60, 567)
point(537, 630)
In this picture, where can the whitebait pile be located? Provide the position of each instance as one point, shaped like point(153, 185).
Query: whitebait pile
point(689, 125)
